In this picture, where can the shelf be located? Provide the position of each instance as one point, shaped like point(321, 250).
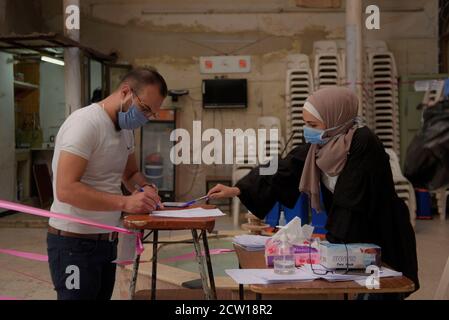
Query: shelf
point(22, 89)
point(25, 85)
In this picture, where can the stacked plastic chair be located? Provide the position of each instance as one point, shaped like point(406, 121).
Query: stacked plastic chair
point(434, 93)
point(403, 187)
point(328, 64)
point(384, 99)
point(273, 148)
point(245, 159)
point(299, 85)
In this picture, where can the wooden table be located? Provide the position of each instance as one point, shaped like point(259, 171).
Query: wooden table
point(155, 224)
point(256, 260)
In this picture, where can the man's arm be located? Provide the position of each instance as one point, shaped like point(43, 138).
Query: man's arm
point(71, 190)
point(132, 177)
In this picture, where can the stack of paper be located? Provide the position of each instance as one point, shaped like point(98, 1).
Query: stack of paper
point(304, 273)
point(266, 276)
point(251, 242)
point(189, 213)
point(331, 275)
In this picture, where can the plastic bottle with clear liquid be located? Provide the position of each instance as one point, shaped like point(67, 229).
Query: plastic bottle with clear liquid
point(284, 261)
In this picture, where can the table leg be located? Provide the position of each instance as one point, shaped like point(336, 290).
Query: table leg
point(200, 261)
point(258, 296)
point(241, 292)
point(209, 266)
point(241, 289)
point(154, 265)
point(345, 296)
point(132, 285)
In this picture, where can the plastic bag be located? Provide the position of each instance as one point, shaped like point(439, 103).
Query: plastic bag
point(427, 158)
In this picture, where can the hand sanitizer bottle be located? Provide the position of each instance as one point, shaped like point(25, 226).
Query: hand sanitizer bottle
point(282, 219)
point(284, 261)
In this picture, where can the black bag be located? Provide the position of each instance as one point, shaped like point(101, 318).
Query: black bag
point(427, 159)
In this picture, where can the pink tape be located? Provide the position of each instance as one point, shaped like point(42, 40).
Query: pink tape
point(26, 255)
point(44, 213)
point(9, 298)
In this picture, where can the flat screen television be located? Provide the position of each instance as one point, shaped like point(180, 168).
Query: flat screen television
point(225, 93)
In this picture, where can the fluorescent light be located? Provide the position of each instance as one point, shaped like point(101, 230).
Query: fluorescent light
point(52, 60)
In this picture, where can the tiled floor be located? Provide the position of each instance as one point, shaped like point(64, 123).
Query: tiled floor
point(25, 279)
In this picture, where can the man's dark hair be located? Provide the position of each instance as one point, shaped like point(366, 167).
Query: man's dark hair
point(139, 77)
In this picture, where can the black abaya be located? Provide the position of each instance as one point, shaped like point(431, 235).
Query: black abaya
point(364, 207)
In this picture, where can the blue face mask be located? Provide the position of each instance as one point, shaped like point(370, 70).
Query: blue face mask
point(314, 136)
point(131, 119)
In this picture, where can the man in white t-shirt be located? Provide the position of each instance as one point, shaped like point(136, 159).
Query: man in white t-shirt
point(94, 155)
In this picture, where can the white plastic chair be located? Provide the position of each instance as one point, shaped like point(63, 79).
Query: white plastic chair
point(375, 46)
point(324, 46)
point(268, 123)
point(441, 197)
point(245, 159)
point(238, 173)
point(402, 185)
point(298, 61)
point(443, 286)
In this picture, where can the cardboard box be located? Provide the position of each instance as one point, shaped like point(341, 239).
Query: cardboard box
point(300, 252)
point(359, 255)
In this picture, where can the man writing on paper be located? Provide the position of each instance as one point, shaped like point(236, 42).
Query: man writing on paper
point(94, 154)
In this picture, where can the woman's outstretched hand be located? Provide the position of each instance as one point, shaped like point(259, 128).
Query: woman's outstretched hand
point(221, 191)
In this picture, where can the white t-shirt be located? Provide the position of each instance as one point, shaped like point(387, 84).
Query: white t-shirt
point(90, 134)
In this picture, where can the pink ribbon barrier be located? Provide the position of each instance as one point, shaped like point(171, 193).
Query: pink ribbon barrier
point(48, 214)
point(9, 298)
point(26, 255)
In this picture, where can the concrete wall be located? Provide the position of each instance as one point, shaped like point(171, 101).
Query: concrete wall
point(20, 16)
point(7, 130)
point(171, 37)
point(51, 99)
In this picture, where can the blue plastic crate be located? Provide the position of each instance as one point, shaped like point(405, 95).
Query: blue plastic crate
point(423, 204)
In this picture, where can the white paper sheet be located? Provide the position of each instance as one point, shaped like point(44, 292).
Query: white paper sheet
point(304, 273)
point(189, 213)
point(384, 273)
point(330, 276)
point(251, 242)
point(266, 276)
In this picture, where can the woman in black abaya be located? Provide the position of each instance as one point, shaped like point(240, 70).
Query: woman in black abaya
point(346, 162)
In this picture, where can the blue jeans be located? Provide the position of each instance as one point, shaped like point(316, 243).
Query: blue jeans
point(81, 269)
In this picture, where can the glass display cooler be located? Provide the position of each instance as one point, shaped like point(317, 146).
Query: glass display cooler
point(155, 154)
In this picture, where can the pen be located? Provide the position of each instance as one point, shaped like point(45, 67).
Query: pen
point(158, 206)
point(206, 197)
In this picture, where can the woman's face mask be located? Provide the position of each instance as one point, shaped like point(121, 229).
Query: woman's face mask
point(319, 136)
point(131, 119)
point(314, 136)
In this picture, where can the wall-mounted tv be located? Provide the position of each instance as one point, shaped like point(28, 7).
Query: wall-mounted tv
point(225, 93)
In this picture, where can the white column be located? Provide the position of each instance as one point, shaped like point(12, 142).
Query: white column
point(354, 48)
point(72, 71)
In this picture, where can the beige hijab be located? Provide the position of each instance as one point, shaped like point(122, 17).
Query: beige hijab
point(338, 107)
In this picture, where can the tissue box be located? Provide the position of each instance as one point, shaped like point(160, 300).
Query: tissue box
point(359, 255)
point(300, 252)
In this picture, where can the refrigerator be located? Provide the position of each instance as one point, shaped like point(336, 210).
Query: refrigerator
point(155, 154)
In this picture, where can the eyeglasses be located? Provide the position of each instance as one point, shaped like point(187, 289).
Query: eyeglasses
point(322, 272)
point(146, 108)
